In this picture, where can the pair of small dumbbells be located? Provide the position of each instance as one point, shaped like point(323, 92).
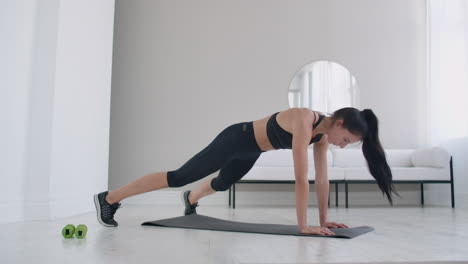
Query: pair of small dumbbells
point(69, 230)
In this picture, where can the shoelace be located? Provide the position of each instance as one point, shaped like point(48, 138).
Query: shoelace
point(109, 211)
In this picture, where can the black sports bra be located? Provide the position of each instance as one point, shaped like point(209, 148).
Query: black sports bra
point(282, 139)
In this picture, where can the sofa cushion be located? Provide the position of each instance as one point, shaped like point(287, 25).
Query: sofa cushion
point(284, 158)
point(287, 174)
point(401, 174)
point(346, 158)
point(399, 157)
point(357, 173)
point(350, 164)
point(434, 174)
point(431, 157)
point(270, 174)
point(362, 173)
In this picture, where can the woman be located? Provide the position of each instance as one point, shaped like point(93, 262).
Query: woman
point(235, 150)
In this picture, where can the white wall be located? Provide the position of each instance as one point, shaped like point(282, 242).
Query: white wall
point(184, 70)
point(16, 35)
point(57, 106)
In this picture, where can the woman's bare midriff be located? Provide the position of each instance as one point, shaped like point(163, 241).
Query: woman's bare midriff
point(284, 119)
point(259, 127)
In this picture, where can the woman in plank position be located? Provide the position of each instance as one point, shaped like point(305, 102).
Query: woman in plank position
point(235, 150)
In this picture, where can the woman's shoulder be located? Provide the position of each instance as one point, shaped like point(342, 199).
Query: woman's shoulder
point(298, 114)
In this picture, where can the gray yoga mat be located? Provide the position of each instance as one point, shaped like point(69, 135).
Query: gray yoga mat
point(196, 221)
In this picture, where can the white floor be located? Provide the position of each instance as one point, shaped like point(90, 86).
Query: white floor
point(402, 235)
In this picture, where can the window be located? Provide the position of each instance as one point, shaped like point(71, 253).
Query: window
point(323, 86)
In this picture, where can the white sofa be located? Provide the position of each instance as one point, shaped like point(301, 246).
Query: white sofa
point(348, 166)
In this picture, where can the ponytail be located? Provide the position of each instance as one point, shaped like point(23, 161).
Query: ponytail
point(375, 155)
point(365, 124)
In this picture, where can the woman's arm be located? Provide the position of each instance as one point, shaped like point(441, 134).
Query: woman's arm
point(322, 186)
point(302, 186)
point(302, 135)
point(301, 138)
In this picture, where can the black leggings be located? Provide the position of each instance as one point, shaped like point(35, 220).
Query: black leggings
point(234, 152)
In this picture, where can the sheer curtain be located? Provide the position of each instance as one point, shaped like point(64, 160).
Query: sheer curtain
point(447, 54)
point(332, 87)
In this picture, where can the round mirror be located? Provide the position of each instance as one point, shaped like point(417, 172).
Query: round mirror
point(323, 86)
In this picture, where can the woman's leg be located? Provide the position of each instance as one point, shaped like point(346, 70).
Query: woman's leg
point(204, 189)
point(232, 172)
point(204, 163)
point(150, 182)
point(199, 166)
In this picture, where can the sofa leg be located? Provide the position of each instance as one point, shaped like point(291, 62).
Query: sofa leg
point(230, 196)
point(336, 194)
point(346, 195)
point(451, 183)
point(453, 195)
point(422, 194)
point(234, 196)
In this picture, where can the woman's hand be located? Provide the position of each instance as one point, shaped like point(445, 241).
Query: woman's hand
point(316, 230)
point(334, 225)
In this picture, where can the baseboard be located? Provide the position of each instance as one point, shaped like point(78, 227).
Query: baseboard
point(66, 207)
point(17, 211)
point(270, 198)
point(435, 195)
point(12, 211)
point(173, 197)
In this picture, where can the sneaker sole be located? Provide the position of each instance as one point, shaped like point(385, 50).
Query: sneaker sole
point(98, 210)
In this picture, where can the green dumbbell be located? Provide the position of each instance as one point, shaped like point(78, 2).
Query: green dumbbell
point(68, 231)
point(80, 231)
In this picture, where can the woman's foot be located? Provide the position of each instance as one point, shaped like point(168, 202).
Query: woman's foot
point(105, 211)
point(189, 208)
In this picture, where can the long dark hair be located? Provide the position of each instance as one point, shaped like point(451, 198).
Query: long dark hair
point(365, 124)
